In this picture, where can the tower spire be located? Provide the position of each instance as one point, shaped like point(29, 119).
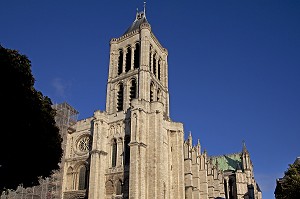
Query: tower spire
point(145, 9)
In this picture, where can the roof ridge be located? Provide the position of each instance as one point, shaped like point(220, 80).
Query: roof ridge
point(215, 156)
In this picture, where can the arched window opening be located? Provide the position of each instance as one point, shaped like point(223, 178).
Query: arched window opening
point(70, 178)
point(158, 69)
point(128, 59)
point(120, 96)
point(109, 188)
point(137, 56)
point(230, 189)
point(151, 93)
point(120, 62)
point(114, 153)
point(150, 57)
point(119, 186)
point(158, 95)
point(127, 150)
point(132, 90)
point(225, 189)
point(82, 178)
point(154, 64)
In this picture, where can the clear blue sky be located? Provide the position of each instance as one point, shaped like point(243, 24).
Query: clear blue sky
point(234, 66)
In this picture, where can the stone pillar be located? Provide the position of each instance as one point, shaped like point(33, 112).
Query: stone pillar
point(134, 159)
point(98, 159)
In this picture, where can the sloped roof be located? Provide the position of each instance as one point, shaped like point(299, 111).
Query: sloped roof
point(140, 19)
point(228, 162)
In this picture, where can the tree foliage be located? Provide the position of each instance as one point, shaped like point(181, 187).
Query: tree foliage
point(30, 145)
point(289, 186)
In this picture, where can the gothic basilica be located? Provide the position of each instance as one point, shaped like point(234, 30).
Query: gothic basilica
point(133, 149)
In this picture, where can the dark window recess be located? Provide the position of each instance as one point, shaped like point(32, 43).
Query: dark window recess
point(132, 89)
point(120, 98)
point(120, 62)
point(114, 153)
point(128, 60)
point(82, 178)
point(158, 95)
point(154, 65)
point(151, 93)
point(150, 54)
point(225, 189)
point(127, 150)
point(137, 56)
point(158, 69)
point(119, 189)
point(150, 61)
point(231, 189)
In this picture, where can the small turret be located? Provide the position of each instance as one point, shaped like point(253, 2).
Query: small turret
point(244, 150)
point(199, 146)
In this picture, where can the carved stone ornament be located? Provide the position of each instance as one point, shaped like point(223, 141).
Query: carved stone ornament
point(82, 145)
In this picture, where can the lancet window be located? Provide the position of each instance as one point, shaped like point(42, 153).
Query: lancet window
point(70, 178)
point(114, 153)
point(133, 89)
point(119, 187)
point(158, 69)
point(82, 178)
point(151, 92)
point(120, 96)
point(158, 95)
point(127, 150)
point(109, 187)
point(128, 59)
point(137, 56)
point(150, 58)
point(120, 62)
point(154, 64)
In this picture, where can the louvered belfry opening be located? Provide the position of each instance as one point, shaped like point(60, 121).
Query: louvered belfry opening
point(132, 94)
point(128, 59)
point(158, 69)
point(137, 56)
point(120, 96)
point(150, 57)
point(151, 92)
point(120, 62)
point(114, 153)
point(154, 64)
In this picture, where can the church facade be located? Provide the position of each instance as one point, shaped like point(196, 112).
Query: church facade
point(133, 149)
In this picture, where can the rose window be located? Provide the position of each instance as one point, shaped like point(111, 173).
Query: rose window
point(83, 144)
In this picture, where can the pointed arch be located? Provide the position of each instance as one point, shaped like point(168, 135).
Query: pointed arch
point(159, 68)
point(120, 62)
point(137, 56)
point(120, 97)
point(151, 92)
point(114, 151)
point(109, 187)
point(158, 95)
point(70, 178)
point(128, 59)
point(150, 58)
point(119, 187)
point(154, 64)
point(82, 181)
point(133, 89)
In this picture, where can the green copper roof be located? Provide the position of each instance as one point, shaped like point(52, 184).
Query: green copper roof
point(228, 162)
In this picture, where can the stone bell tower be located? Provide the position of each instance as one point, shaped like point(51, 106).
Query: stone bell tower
point(137, 116)
point(138, 68)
